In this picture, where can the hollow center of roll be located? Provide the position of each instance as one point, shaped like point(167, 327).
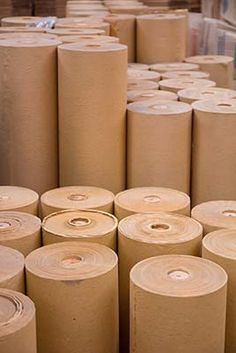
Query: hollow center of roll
point(209, 58)
point(4, 224)
point(224, 105)
point(162, 107)
point(229, 213)
point(179, 275)
point(93, 45)
point(208, 92)
point(77, 197)
point(148, 95)
point(159, 226)
point(189, 82)
point(152, 198)
point(8, 309)
point(4, 197)
point(71, 261)
point(79, 221)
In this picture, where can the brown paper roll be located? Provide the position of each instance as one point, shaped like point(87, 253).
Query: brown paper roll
point(220, 247)
point(185, 74)
point(77, 283)
point(99, 158)
point(177, 84)
point(20, 21)
point(134, 74)
point(88, 39)
point(20, 231)
point(220, 68)
point(17, 324)
point(12, 274)
point(62, 32)
point(30, 35)
point(161, 38)
point(167, 292)
point(135, 84)
point(84, 225)
point(155, 130)
point(143, 95)
point(214, 145)
point(15, 198)
point(83, 24)
point(191, 95)
point(28, 100)
point(145, 235)
point(151, 200)
point(161, 68)
point(21, 30)
point(137, 66)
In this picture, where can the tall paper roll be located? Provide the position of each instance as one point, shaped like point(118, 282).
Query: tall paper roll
point(145, 235)
point(12, 274)
point(138, 66)
point(97, 98)
point(220, 247)
point(28, 116)
point(149, 200)
point(143, 95)
point(161, 68)
point(134, 84)
point(214, 145)
point(62, 32)
point(143, 75)
point(15, 198)
point(159, 144)
point(22, 21)
point(177, 84)
point(75, 290)
point(191, 95)
point(185, 74)
point(17, 325)
point(91, 39)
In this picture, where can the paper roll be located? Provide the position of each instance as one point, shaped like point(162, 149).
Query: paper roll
point(151, 200)
point(91, 39)
point(177, 84)
point(62, 32)
point(20, 231)
point(145, 235)
point(15, 198)
point(167, 292)
point(28, 116)
point(143, 75)
point(12, 274)
point(135, 84)
point(143, 95)
point(83, 24)
point(20, 21)
point(88, 155)
point(84, 225)
point(220, 247)
point(76, 197)
point(159, 144)
point(214, 145)
point(17, 325)
point(191, 95)
point(161, 68)
point(161, 38)
point(185, 74)
point(75, 290)
point(220, 68)
point(11, 29)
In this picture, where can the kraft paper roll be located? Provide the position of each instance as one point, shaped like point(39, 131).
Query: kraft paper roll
point(84, 225)
point(161, 38)
point(185, 74)
point(151, 200)
point(30, 35)
point(62, 32)
point(135, 84)
point(88, 39)
point(20, 21)
point(17, 325)
point(190, 95)
point(167, 292)
point(143, 95)
point(124, 27)
point(137, 66)
point(15, 198)
point(22, 30)
point(174, 67)
point(159, 144)
point(214, 145)
point(99, 158)
point(220, 247)
point(145, 235)
point(28, 131)
point(11, 270)
point(220, 68)
point(82, 24)
point(214, 215)
point(20, 231)
point(143, 75)
point(77, 283)
point(177, 84)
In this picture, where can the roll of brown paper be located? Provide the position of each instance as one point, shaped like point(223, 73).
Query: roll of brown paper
point(91, 39)
point(11, 29)
point(143, 75)
point(90, 155)
point(75, 290)
point(12, 274)
point(28, 130)
point(177, 84)
point(17, 325)
point(161, 68)
point(143, 95)
point(150, 200)
point(83, 24)
point(161, 38)
point(15, 198)
point(167, 292)
point(214, 215)
point(137, 66)
point(185, 74)
point(145, 235)
point(84, 225)
point(20, 231)
point(62, 32)
point(135, 84)
point(214, 145)
point(124, 27)
point(190, 95)
point(220, 247)
point(220, 68)
point(20, 21)
point(159, 144)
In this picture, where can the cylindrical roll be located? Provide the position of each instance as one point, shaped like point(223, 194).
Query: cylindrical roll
point(138, 66)
point(161, 38)
point(90, 39)
point(123, 27)
point(28, 121)
point(62, 32)
point(214, 151)
point(220, 68)
point(145, 235)
point(86, 225)
point(20, 231)
point(82, 24)
point(190, 95)
point(161, 68)
point(214, 215)
point(15, 198)
point(134, 74)
point(90, 155)
point(143, 95)
point(166, 293)
point(75, 290)
point(80, 197)
point(184, 74)
point(17, 324)
point(177, 84)
point(155, 130)
point(150, 200)
point(20, 21)
point(134, 84)
point(12, 274)
point(220, 247)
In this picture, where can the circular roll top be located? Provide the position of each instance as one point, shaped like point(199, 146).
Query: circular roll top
point(209, 59)
point(71, 261)
point(221, 243)
point(136, 84)
point(75, 31)
point(222, 106)
point(137, 66)
point(29, 42)
point(11, 265)
point(178, 276)
point(89, 39)
point(184, 74)
point(16, 198)
point(20, 20)
point(174, 67)
point(143, 75)
point(159, 107)
point(177, 84)
point(142, 95)
point(93, 48)
point(194, 94)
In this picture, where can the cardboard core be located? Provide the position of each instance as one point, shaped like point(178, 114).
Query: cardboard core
point(159, 107)
point(152, 198)
point(159, 226)
point(79, 221)
point(71, 261)
point(179, 275)
point(4, 225)
point(229, 213)
point(77, 197)
point(224, 105)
